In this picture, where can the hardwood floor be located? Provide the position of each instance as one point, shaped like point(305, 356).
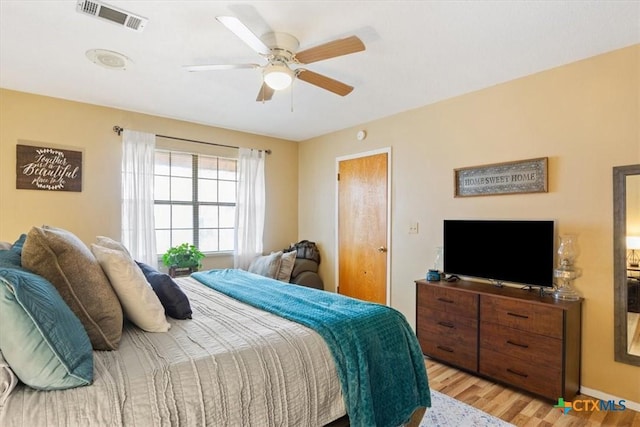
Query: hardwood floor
point(518, 408)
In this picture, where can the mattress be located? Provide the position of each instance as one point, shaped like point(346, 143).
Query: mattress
point(231, 364)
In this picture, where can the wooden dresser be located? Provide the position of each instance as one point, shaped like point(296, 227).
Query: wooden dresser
point(506, 334)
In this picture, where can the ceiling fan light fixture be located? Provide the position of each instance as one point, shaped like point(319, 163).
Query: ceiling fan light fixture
point(278, 76)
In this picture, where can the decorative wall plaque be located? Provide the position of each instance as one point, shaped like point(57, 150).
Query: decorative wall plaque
point(522, 176)
point(46, 168)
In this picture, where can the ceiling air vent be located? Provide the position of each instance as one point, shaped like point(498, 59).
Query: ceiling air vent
point(113, 14)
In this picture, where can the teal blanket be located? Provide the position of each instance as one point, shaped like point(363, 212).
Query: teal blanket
point(377, 355)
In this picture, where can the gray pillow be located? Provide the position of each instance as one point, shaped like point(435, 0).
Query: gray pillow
point(287, 261)
point(65, 261)
point(266, 265)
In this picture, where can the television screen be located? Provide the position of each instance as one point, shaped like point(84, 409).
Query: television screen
point(512, 251)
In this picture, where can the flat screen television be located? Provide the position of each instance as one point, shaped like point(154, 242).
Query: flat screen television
point(514, 251)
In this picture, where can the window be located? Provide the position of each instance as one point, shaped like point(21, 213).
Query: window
point(195, 201)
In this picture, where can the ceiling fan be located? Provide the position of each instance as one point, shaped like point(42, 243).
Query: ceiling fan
point(279, 49)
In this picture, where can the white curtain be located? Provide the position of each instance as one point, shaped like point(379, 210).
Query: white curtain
point(250, 207)
point(138, 226)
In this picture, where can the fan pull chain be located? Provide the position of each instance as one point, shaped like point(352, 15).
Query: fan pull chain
point(292, 85)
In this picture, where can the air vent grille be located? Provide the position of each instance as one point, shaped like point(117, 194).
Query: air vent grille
point(112, 14)
point(134, 22)
point(90, 7)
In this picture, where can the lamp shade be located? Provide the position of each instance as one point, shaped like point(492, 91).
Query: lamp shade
point(633, 242)
point(278, 76)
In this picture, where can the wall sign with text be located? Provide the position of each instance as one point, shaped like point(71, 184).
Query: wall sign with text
point(522, 176)
point(46, 168)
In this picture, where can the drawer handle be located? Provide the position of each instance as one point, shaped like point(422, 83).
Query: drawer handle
point(447, 349)
point(446, 324)
point(522, 316)
point(520, 374)
point(517, 344)
point(448, 301)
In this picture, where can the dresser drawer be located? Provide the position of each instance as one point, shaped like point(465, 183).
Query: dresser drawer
point(450, 349)
point(532, 348)
point(543, 380)
point(439, 323)
point(448, 300)
point(522, 315)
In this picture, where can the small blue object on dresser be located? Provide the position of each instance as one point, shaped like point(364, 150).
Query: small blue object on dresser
point(433, 276)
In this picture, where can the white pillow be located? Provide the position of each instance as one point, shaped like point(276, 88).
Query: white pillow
point(139, 302)
point(287, 261)
point(266, 265)
point(108, 242)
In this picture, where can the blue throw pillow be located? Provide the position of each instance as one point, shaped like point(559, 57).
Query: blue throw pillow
point(175, 302)
point(17, 246)
point(42, 340)
point(10, 258)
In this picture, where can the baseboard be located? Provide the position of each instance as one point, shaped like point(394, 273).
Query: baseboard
point(606, 396)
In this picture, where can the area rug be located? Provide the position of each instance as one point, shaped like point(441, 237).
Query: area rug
point(446, 411)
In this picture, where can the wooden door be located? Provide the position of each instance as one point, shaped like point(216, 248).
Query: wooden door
point(362, 227)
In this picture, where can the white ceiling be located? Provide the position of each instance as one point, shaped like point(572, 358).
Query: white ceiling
point(417, 53)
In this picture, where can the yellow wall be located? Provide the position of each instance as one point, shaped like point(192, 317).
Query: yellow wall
point(96, 210)
point(584, 117)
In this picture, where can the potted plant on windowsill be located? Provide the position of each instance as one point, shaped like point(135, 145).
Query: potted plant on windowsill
point(182, 260)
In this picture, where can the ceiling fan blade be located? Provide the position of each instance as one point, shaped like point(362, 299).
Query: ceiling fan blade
point(330, 50)
point(244, 33)
point(265, 94)
point(324, 82)
point(216, 67)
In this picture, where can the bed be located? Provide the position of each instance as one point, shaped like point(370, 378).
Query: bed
point(235, 362)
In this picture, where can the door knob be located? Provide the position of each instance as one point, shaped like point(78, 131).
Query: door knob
point(382, 249)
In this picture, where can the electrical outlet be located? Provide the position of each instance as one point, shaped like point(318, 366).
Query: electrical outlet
point(413, 228)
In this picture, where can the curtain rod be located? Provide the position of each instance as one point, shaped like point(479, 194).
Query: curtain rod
point(117, 129)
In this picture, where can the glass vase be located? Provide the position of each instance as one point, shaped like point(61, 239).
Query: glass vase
point(566, 272)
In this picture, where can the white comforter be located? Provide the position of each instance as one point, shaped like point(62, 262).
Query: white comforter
point(231, 365)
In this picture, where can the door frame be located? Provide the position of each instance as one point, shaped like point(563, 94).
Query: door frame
point(386, 150)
